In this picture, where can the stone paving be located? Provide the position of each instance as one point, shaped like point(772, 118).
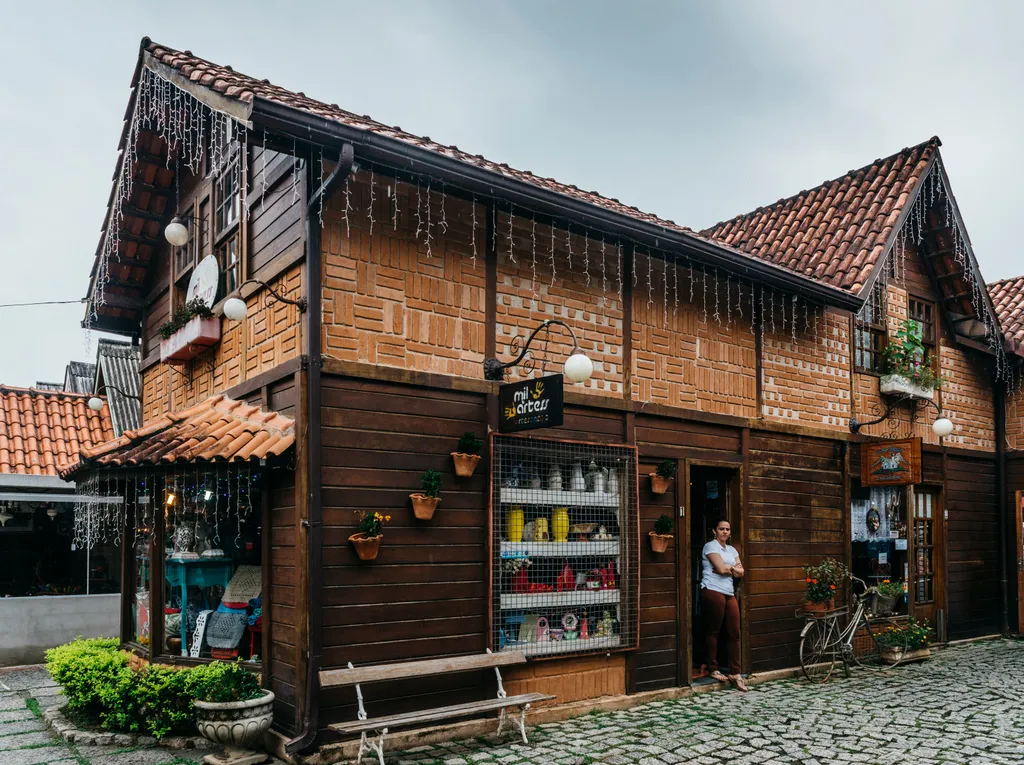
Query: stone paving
point(964, 705)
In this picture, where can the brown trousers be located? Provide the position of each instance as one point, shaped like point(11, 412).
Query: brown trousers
point(719, 608)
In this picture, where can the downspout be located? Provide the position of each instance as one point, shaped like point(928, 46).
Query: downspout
point(313, 524)
point(999, 391)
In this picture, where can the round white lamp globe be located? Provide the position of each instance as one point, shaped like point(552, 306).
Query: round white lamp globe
point(578, 367)
point(942, 427)
point(235, 309)
point(176, 233)
point(96, 404)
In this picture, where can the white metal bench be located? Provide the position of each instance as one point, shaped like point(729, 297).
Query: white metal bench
point(379, 726)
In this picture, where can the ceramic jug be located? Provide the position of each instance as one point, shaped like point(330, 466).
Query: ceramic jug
point(576, 481)
point(554, 479)
point(514, 522)
point(560, 524)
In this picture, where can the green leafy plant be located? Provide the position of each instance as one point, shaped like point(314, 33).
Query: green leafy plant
point(905, 356)
point(666, 468)
point(103, 691)
point(185, 314)
point(824, 579)
point(371, 523)
point(469, 443)
point(890, 589)
point(663, 525)
point(431, 483)
point(917, 635)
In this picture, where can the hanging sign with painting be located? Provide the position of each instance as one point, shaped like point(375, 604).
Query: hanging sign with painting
point(530, 404)
point(890, 463)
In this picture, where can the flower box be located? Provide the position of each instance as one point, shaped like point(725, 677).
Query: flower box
point(899, 385)
point(190, 341)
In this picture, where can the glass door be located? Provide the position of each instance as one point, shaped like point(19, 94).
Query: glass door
point(926, 560)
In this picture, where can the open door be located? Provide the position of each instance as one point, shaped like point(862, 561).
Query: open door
point(1019, 505)
point(712, 493)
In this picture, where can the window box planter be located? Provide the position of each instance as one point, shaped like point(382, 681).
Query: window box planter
point(190, 341)
point(899, 385)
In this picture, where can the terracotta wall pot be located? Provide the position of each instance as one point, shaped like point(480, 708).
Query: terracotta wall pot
point(366, 548)
point(659, 542)
point(819, 608)
point(423, 507)
point(465, 464)
point(659, 483)
point(238, 726)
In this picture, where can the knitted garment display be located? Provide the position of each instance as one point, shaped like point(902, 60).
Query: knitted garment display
point(225, 628)
point(246, 584)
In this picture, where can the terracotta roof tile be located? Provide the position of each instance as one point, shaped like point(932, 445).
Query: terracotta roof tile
point(218, 429)
point(39, 429)
point(1008, 299)
point(837, 231)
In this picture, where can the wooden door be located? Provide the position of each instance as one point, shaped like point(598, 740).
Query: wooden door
point(926, 581)
point(1019, 505)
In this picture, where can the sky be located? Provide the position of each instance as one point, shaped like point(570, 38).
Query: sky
point(694, 111)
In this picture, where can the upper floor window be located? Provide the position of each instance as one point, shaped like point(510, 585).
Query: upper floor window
point(187, 256)
point(227, 195)
point(870, 334)
point(923, 312)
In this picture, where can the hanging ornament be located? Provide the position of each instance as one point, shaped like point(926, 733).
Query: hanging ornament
point(473, 231)
point(373, 196)
point(586, 256)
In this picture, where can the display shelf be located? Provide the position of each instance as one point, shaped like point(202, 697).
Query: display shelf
point(530, 601)
point(546, 497)
point(600, 548)
point(554, 647)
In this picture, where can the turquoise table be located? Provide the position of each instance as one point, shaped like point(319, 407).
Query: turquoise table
point(204, 572)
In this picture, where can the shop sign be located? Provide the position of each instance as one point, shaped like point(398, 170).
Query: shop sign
point(530, 404)
point(890, 463)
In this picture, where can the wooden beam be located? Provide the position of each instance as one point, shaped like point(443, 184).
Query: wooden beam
point(125, 302)
point(144, 214)
point(128, 236)
point(337, 678)
point(158, 191)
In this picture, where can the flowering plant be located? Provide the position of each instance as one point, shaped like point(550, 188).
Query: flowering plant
point(371, 523)
point(890, 589)
point(822, 579)
point(515, 565)
point(917, 635)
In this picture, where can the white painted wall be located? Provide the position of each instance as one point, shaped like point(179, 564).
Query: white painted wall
point(28, 626)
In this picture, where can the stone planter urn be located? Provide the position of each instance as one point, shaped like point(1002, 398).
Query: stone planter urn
point(238, 726)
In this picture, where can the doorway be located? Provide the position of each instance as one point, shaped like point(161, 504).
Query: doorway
point(714, 495)
point(925, 583)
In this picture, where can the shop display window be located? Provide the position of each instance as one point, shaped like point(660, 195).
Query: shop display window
point(565, 555)
point(880, 542)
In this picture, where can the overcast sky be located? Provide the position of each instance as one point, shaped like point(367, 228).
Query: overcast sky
point(695, 111)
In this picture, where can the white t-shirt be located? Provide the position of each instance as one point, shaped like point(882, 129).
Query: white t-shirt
point(718, 582)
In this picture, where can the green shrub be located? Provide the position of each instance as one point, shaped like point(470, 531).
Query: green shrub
point(103, 691)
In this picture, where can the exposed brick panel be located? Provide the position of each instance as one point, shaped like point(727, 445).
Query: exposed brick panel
point(682, 356)
point(386, 300)
point(269, 336)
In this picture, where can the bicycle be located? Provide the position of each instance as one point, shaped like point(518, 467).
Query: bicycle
point(822, 641)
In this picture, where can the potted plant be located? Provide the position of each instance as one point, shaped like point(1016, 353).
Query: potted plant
point(232, 710)
point(367, 540)
point(191, 330)
point(907, 372)
point(468, 454)
point(662, 476)
point(662, 534)
point(887, 595)
point(918, 640)
point(424, 504)
point(822, 581)
point(898, 644)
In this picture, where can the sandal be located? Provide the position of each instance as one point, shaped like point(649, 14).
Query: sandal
point(716, 675)
point(740, 685)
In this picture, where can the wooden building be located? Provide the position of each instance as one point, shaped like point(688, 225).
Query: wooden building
point(380, 269)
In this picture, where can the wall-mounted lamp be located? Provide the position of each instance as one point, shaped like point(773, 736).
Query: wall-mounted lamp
point(176, 232)
point(171, 498)
point(942, 426)
point(96, 403)
point(236, 309)
point(578, 367)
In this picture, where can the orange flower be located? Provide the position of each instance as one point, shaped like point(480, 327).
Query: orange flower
point(808, 580)
point(815, 581)
point(831, 586)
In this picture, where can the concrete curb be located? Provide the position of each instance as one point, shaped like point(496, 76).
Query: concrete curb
point(55, 720)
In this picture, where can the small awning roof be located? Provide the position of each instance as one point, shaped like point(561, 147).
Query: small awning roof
point(219, 429)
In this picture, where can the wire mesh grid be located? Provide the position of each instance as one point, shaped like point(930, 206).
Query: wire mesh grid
point(565, 558)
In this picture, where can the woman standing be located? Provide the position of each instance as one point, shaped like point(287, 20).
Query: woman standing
point(722, 565)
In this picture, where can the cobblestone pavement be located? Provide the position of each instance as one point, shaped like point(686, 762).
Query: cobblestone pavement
point(25, 740)
point(964, 705)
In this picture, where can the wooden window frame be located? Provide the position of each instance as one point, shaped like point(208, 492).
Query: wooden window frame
point(877, 331)
point(930, 341)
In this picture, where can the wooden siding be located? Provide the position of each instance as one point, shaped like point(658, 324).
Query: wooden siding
point(795, 516)
point(276, 217)
point(972, 534)
point(426, 594)
point(1014, 483)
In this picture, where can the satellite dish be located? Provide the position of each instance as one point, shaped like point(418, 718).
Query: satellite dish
point(203, 284)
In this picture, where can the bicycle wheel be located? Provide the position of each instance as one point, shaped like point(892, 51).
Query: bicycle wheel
point(879, 644)
point(817, 654)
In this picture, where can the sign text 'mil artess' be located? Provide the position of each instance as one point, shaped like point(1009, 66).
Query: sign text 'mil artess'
point(535, 403)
